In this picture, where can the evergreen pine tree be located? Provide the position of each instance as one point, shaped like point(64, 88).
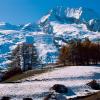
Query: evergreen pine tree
point(24, 56)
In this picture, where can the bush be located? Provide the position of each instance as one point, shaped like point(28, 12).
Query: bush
point(59, 88)
point(5, 98)
point(94, 85)
point(27, 98)
point(11, 72)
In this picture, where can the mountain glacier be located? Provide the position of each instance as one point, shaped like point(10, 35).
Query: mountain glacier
point(51, 32)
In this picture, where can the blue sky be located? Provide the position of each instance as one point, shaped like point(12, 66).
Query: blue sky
point(25, 11)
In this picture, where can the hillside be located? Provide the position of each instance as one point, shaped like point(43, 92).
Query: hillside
point(37, 87)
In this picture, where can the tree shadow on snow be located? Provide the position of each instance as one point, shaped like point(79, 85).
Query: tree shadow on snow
point(70, 92)
point(96, 76)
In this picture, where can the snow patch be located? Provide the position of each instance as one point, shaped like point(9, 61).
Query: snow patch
point(44, 18)
point(75, 13)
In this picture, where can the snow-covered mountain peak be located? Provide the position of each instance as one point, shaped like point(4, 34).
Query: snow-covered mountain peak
point(44, 18)
point(28, 24)
point(2, 23)
point(62, 14)
point(8, 26)
point(75, 13)
point(82, 13)
point(52, 31)
point(31, 27)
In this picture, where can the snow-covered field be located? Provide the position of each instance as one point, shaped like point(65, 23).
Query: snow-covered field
point(37, 87)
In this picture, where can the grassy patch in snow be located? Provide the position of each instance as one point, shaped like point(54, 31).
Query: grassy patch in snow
point(26, 75)
point(32, 73)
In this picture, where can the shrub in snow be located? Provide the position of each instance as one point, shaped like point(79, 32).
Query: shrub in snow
point(59, 88)
point(27, 98)
point(11, 72)
point(5, 98)
point(94, 85)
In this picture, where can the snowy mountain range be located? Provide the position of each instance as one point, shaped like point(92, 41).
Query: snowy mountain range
point(52, 30)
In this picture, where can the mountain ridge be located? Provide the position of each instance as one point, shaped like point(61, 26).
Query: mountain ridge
point(58, 29)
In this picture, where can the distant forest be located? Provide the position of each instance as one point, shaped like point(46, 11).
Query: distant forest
point(75, 52)
point(78, 52)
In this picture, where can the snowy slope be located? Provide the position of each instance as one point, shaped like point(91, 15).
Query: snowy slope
point(71, 31)
point(72, 23)
point(9, 39)
point(37, 87)
point(45, 46)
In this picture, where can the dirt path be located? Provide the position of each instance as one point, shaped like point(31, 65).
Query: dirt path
point(95, 96)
